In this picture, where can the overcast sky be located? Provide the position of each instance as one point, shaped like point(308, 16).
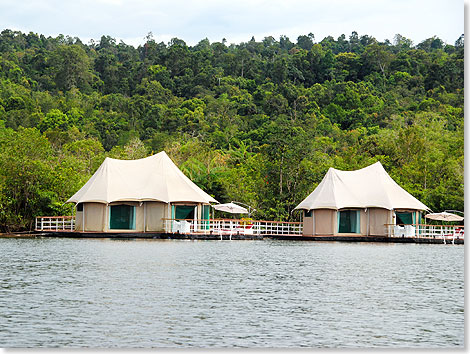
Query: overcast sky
point(235, 20)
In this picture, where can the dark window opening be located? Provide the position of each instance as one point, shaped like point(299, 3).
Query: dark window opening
point(404, 218)
point(184, 212)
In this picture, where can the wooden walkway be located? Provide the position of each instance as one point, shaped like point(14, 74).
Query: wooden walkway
point(428, 240)
point(215, 237)
point(233, 229)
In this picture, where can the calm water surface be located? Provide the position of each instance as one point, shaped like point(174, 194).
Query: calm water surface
point(108, 293)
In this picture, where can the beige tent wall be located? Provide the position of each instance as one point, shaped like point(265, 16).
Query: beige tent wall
point(155, 213)
point(78, 220)
point(95, 216)
point(363, 221)
point(308, 226)
point(325, 221)
point(378, 218)
point(139, 216)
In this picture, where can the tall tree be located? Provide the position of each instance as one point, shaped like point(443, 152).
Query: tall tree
point(70, 66)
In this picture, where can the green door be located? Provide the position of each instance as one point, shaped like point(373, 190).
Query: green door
point(206, 216)
point(349, 221)
point(122, 217)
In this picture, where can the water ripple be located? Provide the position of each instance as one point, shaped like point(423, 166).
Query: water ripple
point(273, 294)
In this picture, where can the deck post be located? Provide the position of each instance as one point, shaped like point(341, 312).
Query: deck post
point(368, 222)
point(313, 221)
point(145, 216)
point(170, 227)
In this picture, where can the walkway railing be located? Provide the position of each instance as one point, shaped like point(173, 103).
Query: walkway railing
point(55, 223)
point(185, 226)
point(444, 232)
point(233, 227)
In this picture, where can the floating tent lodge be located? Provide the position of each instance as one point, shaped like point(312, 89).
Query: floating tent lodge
point(365, 202)
point(138, 196)
point(149, 194)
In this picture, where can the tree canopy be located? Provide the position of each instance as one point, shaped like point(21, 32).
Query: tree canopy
point(258, 122)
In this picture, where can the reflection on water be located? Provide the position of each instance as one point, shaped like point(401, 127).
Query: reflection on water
point(108, 293)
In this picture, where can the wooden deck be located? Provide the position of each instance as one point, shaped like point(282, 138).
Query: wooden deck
point(428, 240)
point(232, 229)
point(148, 235)
point(215, 237)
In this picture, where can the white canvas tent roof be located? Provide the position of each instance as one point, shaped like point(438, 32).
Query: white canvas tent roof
point(369, 187)
point(154, 178)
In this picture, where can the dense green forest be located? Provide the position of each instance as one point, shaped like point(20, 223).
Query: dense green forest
point(257, 122)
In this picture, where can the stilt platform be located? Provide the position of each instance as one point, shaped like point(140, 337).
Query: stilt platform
point(234, 237)
point(429, 240)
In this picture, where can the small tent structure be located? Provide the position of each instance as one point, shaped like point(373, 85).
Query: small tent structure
point(362, 202)
point(137, 196)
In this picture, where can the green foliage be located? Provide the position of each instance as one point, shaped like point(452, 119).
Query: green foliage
point(70, 67)
point(257, 122)
point(55, 119)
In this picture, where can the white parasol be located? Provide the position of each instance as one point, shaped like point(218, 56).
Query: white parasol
point(231, 208)
point(444, 216)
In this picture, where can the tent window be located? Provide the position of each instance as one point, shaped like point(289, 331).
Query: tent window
point(308, 213)
point(80, 207)
point(184, 212)
point(122, 217)
point(349, 221)
point(405, 218)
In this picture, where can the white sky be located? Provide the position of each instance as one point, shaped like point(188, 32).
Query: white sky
point(235, 20)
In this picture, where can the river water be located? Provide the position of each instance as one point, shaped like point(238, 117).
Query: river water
point(259, 294)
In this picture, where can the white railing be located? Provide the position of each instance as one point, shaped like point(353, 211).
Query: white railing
point(55, 223)
point(279, 228)
point(444, 232)
point(233, 227)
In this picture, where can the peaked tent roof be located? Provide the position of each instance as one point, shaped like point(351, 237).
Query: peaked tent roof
point(368, 187)
point(152, 178)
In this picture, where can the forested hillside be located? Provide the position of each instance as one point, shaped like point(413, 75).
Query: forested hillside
point(257, 122)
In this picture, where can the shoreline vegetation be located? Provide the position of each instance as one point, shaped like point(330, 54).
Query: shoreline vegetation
point(259, 122)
